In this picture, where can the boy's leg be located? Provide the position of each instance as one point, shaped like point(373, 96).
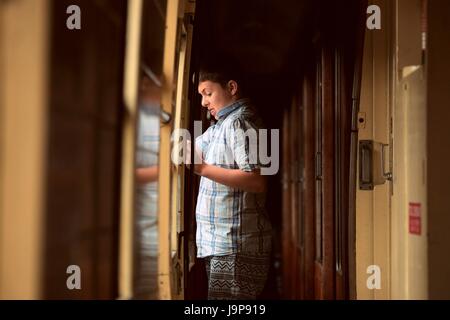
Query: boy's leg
point(237, 276)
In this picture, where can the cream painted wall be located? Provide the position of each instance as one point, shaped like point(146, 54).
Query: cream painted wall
point(23, 99)
point(373, 207)
point(383, 236)
point(409, 250)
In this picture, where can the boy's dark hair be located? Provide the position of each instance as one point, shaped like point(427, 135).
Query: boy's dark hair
point(221, 69)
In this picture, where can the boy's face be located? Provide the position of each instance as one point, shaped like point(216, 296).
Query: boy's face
point(215, 97)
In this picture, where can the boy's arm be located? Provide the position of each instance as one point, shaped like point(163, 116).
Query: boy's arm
point(234, 178)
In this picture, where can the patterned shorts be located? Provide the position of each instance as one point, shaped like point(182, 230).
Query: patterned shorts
point(236, 276)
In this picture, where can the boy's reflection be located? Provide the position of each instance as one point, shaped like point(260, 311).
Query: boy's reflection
point(146, 202)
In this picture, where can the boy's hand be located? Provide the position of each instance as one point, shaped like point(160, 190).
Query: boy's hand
point(198, 159)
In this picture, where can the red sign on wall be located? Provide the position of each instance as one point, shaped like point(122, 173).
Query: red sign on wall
point(415, 224)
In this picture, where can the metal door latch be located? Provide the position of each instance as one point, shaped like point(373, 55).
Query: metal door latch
point(372, 161)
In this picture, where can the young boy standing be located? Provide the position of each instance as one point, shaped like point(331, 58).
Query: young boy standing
point(233, 229)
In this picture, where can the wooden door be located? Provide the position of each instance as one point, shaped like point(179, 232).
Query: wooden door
point(319, 248)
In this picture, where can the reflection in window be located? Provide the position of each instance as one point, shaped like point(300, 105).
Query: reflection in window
point(145, 280)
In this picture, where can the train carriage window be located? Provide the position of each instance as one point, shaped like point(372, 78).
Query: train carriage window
point(148, 123)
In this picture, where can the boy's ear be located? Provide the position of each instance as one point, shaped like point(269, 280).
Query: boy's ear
point(233, 87)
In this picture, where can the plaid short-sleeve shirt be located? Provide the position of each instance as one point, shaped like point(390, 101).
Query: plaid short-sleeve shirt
point(230, 220)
